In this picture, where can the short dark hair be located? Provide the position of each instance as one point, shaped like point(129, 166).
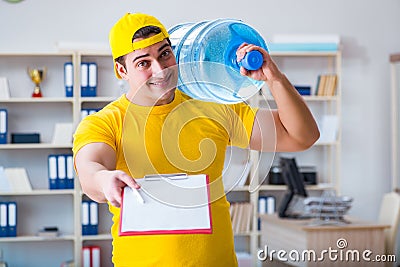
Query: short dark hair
point(141, 33)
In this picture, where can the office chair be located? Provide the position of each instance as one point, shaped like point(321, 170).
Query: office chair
point(390, 214)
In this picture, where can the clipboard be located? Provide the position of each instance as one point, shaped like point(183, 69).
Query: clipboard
point(173, 204)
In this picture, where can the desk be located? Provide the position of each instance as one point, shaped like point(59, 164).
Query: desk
point(295, 237)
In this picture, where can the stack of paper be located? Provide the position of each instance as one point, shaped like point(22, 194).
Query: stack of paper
point(14, 180)
point(328, 128)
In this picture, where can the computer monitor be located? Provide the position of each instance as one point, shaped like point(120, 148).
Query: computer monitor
point(295, 186)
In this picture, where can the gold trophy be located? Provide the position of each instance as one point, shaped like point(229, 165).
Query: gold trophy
point(37, 76)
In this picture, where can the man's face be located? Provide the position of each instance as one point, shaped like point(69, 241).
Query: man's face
point(151, 73)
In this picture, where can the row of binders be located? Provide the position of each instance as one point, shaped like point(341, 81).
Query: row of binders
point(88, 79)
point(3, 126)
point(90, 217)
point(61, 171)
point(88, 111)
point(266, 205)
point(8, 219)
point(241, 217)
point(91, 256)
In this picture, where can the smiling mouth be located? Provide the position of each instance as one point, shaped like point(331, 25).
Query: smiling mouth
point(165, 83)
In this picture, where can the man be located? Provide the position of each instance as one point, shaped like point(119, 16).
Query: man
point(155, 128)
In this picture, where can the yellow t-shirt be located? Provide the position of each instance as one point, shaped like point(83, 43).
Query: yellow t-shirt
point(187, 136)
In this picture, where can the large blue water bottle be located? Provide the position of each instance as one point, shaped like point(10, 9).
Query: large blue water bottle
point(206, 55)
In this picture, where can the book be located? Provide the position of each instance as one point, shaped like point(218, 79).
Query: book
point(241, 216)
point(332, 85)
point(321, 85)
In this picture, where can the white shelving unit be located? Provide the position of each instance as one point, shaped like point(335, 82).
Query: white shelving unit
point(41, 207)
point(302, 68)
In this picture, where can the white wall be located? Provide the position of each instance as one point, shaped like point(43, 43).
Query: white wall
point(369, 31)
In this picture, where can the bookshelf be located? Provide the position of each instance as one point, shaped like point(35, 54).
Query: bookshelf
point(36, 209)
point(302, 68)
point(40, 207)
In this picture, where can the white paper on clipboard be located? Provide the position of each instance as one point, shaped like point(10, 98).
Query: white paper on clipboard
point(172, 205)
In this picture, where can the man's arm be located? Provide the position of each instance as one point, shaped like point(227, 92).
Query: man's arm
point(292, 123)
point(95, 165)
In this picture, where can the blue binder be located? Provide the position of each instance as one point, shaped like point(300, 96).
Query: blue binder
point(69, 79)
point(93, 218)
point(90, 217)
point(84, 79)
point(92, 79)
point(12, 219)
point(85, 217)
point(3, 126)
point(88, 111)
point(3, 219)
point(61, 172)
point(88, 79)
point(52, 171)
point(70, 171)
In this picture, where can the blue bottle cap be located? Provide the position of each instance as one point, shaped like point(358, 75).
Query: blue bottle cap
point(253, 60)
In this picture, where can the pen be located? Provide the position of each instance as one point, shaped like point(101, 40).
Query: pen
point(138, 196)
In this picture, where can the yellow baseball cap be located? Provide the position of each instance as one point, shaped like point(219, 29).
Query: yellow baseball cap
point(122, 32)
